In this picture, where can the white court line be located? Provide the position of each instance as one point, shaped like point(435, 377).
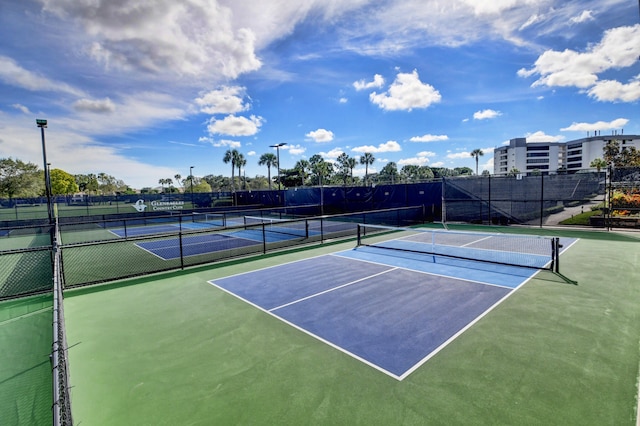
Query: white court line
point(426, 272)
point(333, 289)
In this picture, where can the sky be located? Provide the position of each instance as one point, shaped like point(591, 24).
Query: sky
point(144, 90)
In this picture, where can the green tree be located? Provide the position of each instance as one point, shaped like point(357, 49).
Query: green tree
point(367, 159)
point(598, 164)
point(231, 156)
point(87, 183)
point(389, 173)
point(303, 168)
point(178, 178)
point(20, 179)
point(513, 172)
point(270, 160)
point(241, 162)
point(463, 171)
point(62, 183)
point(477, 153)
point(201, 186)
point(320, 168)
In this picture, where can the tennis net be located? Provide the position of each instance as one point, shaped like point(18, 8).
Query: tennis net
point(210, 219)
point(294, 227)
point(528, 251)
point(61, 399)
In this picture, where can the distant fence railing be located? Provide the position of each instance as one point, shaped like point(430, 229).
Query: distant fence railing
point(107, 250)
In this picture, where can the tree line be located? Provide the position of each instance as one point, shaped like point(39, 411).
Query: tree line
point(19, 179)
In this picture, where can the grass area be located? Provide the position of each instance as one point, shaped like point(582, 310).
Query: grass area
point(581, 219)
point(172, 349)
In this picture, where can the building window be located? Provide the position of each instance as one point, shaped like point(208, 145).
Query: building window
point(537, 154)
point(538, 148)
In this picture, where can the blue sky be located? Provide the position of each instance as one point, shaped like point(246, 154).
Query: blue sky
point(142, 90)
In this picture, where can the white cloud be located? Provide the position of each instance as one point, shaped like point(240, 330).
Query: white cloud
point(389, 146)
point(429, 138)
point(378, 81)
point(164, 37)
point(223, 100)
point(614, 91)
point(99, 106)
point(343, 100)
point(137, 110)
point(235, 126)
point(21, 108)
point(295, 149)
point(586, 15)
point(405, 93)
point(486, 114)
point(598, 125)
point(333, 154)
point(414, 161)
point(14, 75)
point(421, 159)
point(541, 136)
point(458, 155)
point(619, 48)
point(320, 135)
point(226, 143)
point(251, 153)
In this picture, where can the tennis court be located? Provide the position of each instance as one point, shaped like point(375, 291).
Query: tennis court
point(339, 334)
point(392, 311)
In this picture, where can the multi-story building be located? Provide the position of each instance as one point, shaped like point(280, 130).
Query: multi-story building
point(550, 157)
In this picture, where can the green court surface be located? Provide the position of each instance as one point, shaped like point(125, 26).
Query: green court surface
point(25, 370)
point(173, 349)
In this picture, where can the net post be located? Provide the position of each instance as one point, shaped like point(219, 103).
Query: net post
point(264, 238)
point(358, 239)
point(556, 254)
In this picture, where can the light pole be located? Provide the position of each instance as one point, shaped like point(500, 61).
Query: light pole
point(191, 181)
point(47, 179)
point(277, 147)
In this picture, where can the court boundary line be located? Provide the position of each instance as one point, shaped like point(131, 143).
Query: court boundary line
point(391, 268)
point(427, 273)
point(188, 244)
point(307, 332)
point(465, 328)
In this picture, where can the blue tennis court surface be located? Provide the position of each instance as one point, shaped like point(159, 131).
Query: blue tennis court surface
point(390, 311)
point(197, 244)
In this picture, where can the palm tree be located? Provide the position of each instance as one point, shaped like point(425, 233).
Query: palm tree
point(351, 163)
point(599, 164)
point(178, 179)
point(241, 162)
point(302, 167)
point(476, 153)
point(270, 160)
point(230, 157)
point(367, 159)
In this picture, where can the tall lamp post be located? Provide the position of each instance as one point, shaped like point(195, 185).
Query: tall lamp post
point(47, 178)
point(277, 147)
point(191, 181)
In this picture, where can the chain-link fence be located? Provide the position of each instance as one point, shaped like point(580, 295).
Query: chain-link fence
point(518, 199)
point(624, 198)
point(25, 260)
point(105, 251)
